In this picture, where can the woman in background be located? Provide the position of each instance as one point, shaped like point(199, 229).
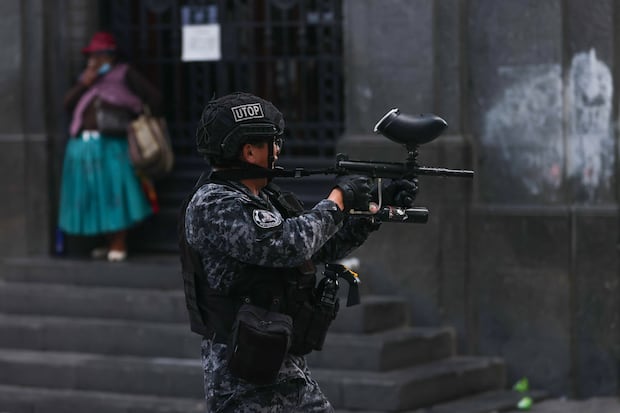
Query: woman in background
point(101, 194)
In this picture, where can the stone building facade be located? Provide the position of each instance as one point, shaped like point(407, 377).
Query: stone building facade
point(522, 261)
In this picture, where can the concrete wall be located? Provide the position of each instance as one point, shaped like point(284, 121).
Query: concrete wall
point(541, 103)
point(428, 79)
point(23, 167)
point(523, 261)
point(38, 59)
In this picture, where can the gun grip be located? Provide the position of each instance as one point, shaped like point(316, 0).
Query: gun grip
point(335, 271)
point(353, 298)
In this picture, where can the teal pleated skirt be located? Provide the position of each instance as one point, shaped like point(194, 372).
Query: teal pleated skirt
point(100, 191)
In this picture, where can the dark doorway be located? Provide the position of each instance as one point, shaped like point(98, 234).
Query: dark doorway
point(288, 51)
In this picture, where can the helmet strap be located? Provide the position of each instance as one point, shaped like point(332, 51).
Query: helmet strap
point(270, 154)
point(246, 171)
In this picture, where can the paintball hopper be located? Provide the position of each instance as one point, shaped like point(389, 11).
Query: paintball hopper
point(408, 130)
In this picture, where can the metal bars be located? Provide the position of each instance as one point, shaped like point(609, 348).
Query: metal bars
point(288, 51)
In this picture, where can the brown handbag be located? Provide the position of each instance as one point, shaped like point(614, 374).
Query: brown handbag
point(149, 145)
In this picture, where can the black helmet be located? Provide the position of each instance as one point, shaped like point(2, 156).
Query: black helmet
point(230, 121)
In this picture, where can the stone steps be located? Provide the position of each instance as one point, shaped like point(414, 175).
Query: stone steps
point(411, 387)
point(92, 302)
point(378, 352)
point(494, 401)
point(96, 335)
point(19, 399)
point(85, 336)
point(157, 272)
point(385, 350)
point(487, 402)
point(167, 377)
point(395, 390)
point(376, 313)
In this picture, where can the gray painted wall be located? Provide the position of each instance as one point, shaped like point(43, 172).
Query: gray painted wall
point(23, 169)
point(523, 261)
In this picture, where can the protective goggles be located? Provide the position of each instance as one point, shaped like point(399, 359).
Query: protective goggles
point(278, 141)
point(249, 131)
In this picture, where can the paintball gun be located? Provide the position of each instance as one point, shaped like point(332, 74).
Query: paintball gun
point(410, 131)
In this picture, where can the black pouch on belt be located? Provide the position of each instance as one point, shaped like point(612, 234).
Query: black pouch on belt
point(259, 342)
point(310, 328)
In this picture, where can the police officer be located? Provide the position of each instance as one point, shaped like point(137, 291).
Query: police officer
point(243, 240)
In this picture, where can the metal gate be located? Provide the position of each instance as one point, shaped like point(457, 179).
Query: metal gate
point(287, 51)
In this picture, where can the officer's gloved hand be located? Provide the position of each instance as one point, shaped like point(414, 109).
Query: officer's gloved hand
point(399, 193)
point(355, 192)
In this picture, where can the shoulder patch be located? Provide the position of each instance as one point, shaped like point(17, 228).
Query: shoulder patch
point(266, 219)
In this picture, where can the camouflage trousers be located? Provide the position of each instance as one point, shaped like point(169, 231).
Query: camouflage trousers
point(294, 391)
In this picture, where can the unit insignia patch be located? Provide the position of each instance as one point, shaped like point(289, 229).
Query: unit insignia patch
point(266, 219)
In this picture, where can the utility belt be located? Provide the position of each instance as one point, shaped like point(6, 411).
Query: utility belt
point(308, 326)
point(262, 335)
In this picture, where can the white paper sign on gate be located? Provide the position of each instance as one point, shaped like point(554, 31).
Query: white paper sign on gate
point(201, 42)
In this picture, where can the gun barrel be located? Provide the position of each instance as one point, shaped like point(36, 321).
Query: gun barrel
point(462, 173)
point(374, 169)
point(396, 170)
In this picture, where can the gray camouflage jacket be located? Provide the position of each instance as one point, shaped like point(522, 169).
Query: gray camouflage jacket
point(231, 228)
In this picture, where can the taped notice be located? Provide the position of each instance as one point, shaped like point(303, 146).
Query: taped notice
point(201, 42)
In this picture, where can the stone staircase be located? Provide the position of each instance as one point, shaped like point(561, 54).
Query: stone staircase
point(82, 336)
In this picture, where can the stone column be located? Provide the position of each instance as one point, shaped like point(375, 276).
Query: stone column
point(23, 165)
point(406, 54)
point(38, 60)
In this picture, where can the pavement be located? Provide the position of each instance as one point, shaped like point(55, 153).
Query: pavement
point(593, 405)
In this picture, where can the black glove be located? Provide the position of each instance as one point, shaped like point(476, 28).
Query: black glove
point(355, 192)
point(399, 193)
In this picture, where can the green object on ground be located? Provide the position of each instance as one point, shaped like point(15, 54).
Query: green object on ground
point(522, 385)
point(525, 403)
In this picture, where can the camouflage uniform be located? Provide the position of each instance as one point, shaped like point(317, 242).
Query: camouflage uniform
point(231, 229)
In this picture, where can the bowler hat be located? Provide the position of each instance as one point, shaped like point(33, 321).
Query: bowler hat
point(101, 42)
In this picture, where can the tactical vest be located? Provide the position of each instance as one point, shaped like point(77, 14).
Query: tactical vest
point(287, 290)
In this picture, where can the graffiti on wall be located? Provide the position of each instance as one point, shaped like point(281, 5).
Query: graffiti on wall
point(590, 138)
point(524, 128)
